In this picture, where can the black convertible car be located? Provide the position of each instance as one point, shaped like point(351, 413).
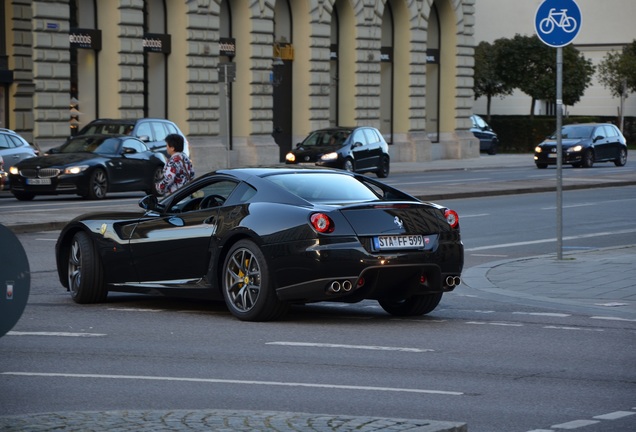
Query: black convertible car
point(262, 239)
point(89, 166)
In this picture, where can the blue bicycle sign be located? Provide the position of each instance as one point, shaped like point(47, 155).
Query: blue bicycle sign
point(557, 22)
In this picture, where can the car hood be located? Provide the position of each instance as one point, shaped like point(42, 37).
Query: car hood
point(312, 153)
point(57, 160)
point(565, 143)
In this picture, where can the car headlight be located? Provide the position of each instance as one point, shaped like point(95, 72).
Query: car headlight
point(75, 169)
point(290, 157)
point(13, 170)
point(538, 149)
point(575, 149)
point(329, 156)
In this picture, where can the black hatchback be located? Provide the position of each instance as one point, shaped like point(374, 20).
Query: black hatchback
point(583, 145)
point(356, 149)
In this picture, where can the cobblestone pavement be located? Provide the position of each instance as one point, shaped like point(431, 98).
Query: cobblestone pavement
point(215, 420)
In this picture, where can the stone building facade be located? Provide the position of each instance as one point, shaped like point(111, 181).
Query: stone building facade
point(244, 79)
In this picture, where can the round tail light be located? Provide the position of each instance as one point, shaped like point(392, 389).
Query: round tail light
point(452, 218)
point(322, 223)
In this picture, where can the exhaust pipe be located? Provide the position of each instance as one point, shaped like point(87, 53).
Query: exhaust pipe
point(346, 285)
point(453, 281)
point(335, 286)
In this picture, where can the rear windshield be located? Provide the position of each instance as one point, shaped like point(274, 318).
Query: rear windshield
point(324, 187)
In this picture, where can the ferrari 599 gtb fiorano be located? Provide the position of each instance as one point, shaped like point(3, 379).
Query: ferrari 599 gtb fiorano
point(262, 239)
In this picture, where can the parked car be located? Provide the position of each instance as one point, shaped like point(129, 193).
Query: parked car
point(13, 149)
point(89, 166)
point(262, 239)
point(583, 145)
point(355, 149)
point(488, 140)
point(3, 175)
point(152, 131)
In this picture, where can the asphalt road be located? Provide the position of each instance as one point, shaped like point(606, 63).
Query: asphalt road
point(495, 365)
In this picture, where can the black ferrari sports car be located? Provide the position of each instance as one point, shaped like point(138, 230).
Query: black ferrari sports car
point(262, 239)
point(89, 166)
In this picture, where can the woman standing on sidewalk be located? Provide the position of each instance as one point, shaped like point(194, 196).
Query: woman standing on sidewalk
point(178, 170)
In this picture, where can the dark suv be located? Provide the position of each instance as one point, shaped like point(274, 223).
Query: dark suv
point(488, 140)
point(358, 149)
point(152, 131)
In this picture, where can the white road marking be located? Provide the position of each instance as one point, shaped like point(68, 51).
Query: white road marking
point(230, 381)
point(63, 334)
point(613, 318)
point(362, 347)
point(551, 240)
point(550, 314)
point(135, 310)
point(574, 424)
point(572, 328)
point(463, 216)
point(614, 415)
point(495, 323)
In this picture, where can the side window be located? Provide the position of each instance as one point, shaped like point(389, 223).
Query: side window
point(159, 131)
point(143, 129)
point(372, 136)
point(16, 142)
point(610, 132)
point(172, 129)
point(207, 196)
point(4, 143)
point(135, 145)
point(358, 136)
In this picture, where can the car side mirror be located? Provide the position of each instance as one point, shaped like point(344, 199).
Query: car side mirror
point(149, 203)
point(129, 150)
point(144, 138)
point(598, 137)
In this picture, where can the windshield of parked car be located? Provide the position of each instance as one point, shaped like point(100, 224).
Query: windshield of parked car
point(326, 138)
point(324, 187)
point(107, 129)
point(101, 145)
point(574, 132)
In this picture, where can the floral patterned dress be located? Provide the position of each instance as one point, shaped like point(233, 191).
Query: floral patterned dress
point(176, 174)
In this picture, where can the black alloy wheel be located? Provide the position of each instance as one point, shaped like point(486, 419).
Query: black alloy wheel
point(247, 287)
point(84, 271)
point(383, 169)
point(348, 165)
point(98, 185)
point(588, 159)
point(156, 178)
point(412, 306)
point(622, 158)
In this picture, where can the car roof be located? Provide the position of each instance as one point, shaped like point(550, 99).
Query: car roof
point(126, 121)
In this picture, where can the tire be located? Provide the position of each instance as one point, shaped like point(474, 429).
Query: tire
point(588, 159)
point(348, 165)
point(383, 168)
point(85, 272)
point(247, 287)
point(542, 165)
point(416, 305)
point(97, 185)
point(492, 150)
point(157, 177)
point(23, 196)
point(622, 158)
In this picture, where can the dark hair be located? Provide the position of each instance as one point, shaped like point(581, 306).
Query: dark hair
point(175, 141)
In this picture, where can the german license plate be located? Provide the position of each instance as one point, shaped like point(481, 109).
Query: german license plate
point(552, 155)
point(38, 181)
point(400, 242)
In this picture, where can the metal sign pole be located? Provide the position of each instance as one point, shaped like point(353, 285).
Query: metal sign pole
point(559, 120)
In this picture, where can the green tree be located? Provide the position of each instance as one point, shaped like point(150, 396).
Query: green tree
point(528, 64)
point(487, 81)
point(617, 73)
